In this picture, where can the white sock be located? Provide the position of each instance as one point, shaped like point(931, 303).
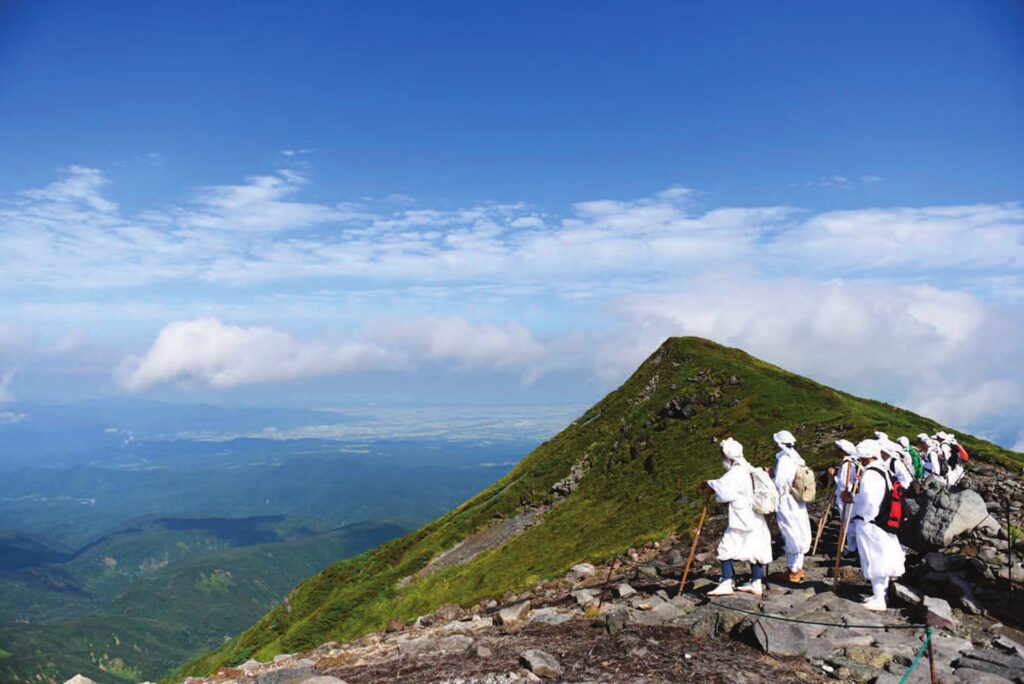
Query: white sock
point(879, 587)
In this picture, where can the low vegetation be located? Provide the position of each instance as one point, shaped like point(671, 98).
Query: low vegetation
point(647, 447)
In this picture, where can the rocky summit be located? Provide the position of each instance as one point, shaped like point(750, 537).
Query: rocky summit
point(567, 569)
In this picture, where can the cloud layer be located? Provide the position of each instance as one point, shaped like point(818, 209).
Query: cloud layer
point(917, 305)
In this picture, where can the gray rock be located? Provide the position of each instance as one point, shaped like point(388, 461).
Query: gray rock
point(1007, 644)
point(846, 638)
point(712, 622)
point(456, 643)
point(967, 675)
point(780, 638)
point(285, 675)
point(993, 662)
point(413, 645)
point(615, 619)
point(548, 616)
point(320, 679)
point(513, 614)
point(449, 612)
point(938, 516)
point(541, 663)
point(675, 557)
point(581, 571)
point(908, 595)
point(80, 679)
point(585, 598)
point(938, 613)
point(623, 590)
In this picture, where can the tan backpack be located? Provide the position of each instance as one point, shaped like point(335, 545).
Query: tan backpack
point(804, 488)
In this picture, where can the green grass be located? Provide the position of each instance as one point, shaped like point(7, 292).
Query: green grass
point(639, 464)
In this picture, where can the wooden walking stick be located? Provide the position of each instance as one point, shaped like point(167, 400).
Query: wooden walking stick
point(845, 526)
point(821, 526)
point(693, 546)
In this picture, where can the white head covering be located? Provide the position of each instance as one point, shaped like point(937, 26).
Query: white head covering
point(732, 449)
point(950, 438)
point(904, 442)
point(847, 446)
point(881, 436)
point(869, 448)
point(784, 438)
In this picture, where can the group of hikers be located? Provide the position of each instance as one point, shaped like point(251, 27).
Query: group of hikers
point(869, 483)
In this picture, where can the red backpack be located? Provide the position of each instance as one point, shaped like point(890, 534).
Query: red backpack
point(890, 512)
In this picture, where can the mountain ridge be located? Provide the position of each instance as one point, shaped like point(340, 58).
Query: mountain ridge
point(640, 453)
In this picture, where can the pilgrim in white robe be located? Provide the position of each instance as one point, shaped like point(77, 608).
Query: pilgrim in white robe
point(794, 523)
point(747, 537)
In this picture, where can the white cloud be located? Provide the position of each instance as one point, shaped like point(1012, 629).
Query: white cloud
point(207, 352)
point(12, 417)
point(884, 301)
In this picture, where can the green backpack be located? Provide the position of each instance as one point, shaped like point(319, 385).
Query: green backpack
point(915, 456)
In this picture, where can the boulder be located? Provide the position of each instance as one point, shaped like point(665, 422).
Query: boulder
point(615, 619)
point(1005, 643)
point(993, 662)
point(548, 616)
point(712, 621)
point(394, 625)
point(908, 595)
point(938, 613)
point(780, 638)
point(513, 614)
point(585, 598)
point(623, 590)
point(581, 571)
point(412, 645)
point(938, 516)
point(449, 612)
point(541, 663)
point(80, 679)
point(320, 679)
point(456, 643)
point(285, 675)
point(967, 675)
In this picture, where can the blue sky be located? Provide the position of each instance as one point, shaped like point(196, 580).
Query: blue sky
point(509, 202)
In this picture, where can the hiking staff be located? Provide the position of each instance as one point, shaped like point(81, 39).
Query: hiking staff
point(851, 489)
point(823, 521)
point(693, 546)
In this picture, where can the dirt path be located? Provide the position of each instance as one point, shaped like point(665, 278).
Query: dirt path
point(591, 654)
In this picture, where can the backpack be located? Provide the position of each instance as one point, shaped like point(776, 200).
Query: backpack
point(804, 488)
point(943, 464)
point(957, 455)
point(890, 512)
point(766, 497)
point(915, 457)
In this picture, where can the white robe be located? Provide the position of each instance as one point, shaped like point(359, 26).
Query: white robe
point(931, 460)
point(898, 468)
point(881, 555)
point(792, 514)
point(747, 537)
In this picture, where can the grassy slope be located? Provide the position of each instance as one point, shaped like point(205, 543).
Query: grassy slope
point(639, 465)
point(173, 613)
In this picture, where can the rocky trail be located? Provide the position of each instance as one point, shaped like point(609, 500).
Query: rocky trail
point(627, 622)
